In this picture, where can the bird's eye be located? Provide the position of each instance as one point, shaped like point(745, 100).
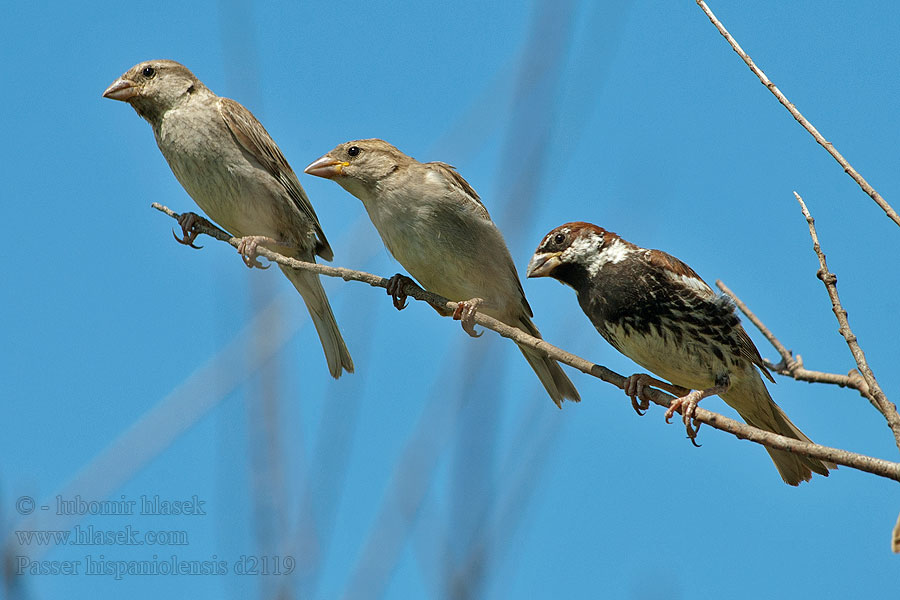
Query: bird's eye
point(559, 238)
point(148, 72)
point(353, 150)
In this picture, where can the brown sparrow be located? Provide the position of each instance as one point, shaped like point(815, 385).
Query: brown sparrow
point(231, 167)
point(434, 224)
point(658, 312)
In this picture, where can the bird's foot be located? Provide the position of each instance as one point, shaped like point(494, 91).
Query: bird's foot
point(465, 314)
point(634, 389)
point(189, 228)
point(395, 290)
point(248, 246)
point(687, 405)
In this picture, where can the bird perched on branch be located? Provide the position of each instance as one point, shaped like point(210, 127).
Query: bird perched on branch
point(434, 224)
point(231, 167)
point(658, 312)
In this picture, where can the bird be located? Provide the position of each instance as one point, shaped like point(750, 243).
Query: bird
point(435, 225)
point(230, 165)
point(657, 311)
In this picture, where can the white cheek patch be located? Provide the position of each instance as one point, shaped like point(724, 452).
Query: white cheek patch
point(585, 245)
point(584, 249)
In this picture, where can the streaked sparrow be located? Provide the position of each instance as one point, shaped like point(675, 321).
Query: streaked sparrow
point(658, 312)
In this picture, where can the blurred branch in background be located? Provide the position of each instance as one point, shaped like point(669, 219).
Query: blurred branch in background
point(876, 466)
point(322, 480)
point(171, 417)
point(467, 561)
point(829, 147)
point(262, 402)
point(407, 488)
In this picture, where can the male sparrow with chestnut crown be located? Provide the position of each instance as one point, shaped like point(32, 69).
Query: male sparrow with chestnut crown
point(658, 312)
point(434, 224)
point(231, 167)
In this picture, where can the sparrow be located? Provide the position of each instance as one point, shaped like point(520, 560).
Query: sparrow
point(658, 312)
point(232, 168)
point(432, 221)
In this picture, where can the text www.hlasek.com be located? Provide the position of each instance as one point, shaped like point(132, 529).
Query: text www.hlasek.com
point(89, 536)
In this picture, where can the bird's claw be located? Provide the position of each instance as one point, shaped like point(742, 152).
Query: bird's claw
point(248, 246)
point(688, 406)
point(189, 230)
point(395, 287)
point(465, 314)
point(634, 389)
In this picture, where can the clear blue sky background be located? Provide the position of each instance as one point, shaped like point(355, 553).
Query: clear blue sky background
point(647, 124)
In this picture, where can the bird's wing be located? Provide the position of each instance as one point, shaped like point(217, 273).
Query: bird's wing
point(686, 276)
point(749, 351)
point(254, 138)
point(467, 195)
point(679, 272)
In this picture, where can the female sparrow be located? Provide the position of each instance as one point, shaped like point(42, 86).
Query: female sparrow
point(231, 167)
point(434, 224)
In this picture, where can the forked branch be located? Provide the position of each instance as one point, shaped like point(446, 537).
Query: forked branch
point(876, 466)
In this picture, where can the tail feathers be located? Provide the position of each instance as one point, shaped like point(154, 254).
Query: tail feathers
point(555, 381)
point(310, 288)
point(756, 407)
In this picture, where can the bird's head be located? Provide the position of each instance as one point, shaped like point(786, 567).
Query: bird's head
point(154, 87)
point(360, 166)
point(575, 251)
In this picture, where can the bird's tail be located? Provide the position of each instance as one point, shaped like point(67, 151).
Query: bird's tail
point(752, 401)
point(548, 370)
point(310, 288)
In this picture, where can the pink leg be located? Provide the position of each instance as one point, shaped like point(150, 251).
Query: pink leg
point(687, 405)
point(248, 245)
point(465, 313)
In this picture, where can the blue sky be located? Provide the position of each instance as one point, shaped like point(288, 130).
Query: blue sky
point(636, 116)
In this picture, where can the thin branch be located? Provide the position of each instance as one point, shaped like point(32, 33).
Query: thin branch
point(876, 466)
point(829, 147)
point(790, 365)
point(876, 396)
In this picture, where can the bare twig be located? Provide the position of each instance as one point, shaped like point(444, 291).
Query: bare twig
point(790, 365)
point(829, 147)
point(876, 466)
point(876, 396)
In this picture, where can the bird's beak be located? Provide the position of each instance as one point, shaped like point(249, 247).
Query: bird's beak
point(542, 265)
point(326, 167)
point(121, 89)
